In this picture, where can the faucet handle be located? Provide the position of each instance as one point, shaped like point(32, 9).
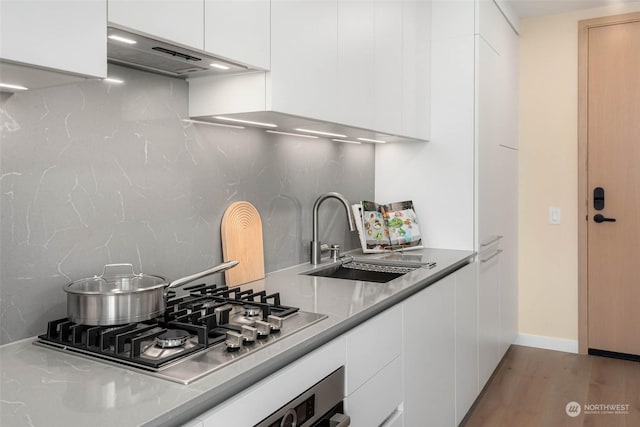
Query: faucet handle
point(335, 252)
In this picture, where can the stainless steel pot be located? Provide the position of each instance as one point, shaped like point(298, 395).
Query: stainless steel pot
point(120, 296)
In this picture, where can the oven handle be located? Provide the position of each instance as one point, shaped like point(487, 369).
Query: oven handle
point(339, 420)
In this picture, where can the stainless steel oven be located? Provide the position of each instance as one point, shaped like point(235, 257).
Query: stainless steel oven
point(319, 406)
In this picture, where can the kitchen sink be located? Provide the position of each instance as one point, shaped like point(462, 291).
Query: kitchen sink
point(368, 271)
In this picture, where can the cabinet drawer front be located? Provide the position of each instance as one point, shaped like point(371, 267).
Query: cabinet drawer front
point(367, 352)
point(378, 398)
point(277, 389)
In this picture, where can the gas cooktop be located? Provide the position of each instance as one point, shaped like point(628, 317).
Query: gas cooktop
point(199, 333)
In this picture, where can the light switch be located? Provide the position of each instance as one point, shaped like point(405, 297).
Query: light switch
point(554, 216)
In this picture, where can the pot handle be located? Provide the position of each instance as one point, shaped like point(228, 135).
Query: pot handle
point(218, 268)
point(117, 270)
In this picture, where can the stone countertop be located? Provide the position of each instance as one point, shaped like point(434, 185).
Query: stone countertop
point(45, 387)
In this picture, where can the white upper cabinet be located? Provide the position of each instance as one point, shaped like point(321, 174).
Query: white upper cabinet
point(490, 23)
point(304, 54)
point(388, 82)
point(416, 76)
point(356, 29)
point(232, 29)
point(361, 64)
point(178, 21)
point(383, 65)
point(68, 36)
point(239, 30)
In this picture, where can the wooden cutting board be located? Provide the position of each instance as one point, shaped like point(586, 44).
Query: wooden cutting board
point(241, 231)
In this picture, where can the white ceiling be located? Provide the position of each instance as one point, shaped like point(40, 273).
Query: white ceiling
point(530, 8)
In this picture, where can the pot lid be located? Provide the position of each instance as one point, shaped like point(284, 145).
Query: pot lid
point(116, 279)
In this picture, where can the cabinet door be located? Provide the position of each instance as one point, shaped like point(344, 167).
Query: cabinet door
point(509, 244)
point(257, 402)
point(416, 41)
point(490, 22)
point(498, 157)
point(429, 355)
point(65, 35)
point(304, 49)
point(374, 370)
point(509, 88)
point(488, 139)
point(365, 356)
point(488, 314)
point(356, 62)
point(388, 53)
point(378, 399)
point(178, 21)
point(466, 339)
point(239, 30)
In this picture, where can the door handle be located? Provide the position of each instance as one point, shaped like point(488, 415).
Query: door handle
point(601, 218)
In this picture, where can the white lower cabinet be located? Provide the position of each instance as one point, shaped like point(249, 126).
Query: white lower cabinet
point(277, 389)
point(366, 353)
point(378, 399)
point(440, 350)
point(466, 339)
point(508, 258)
point(374, 369)
point(488, 314)
point(429, 355)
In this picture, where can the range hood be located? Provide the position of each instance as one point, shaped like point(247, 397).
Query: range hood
point(143, 52)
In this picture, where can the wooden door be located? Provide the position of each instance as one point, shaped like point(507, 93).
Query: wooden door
point(613, 164)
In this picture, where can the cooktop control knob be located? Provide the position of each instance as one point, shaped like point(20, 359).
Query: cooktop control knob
point(249, 334)
point(275, 322)
point(233, 341)
point(264, 328)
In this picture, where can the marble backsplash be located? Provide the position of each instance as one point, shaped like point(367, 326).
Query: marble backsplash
point(97, 173)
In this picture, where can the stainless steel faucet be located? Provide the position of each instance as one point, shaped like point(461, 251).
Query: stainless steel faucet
point(316, 245)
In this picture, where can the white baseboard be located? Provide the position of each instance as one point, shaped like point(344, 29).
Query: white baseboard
point(549, 343)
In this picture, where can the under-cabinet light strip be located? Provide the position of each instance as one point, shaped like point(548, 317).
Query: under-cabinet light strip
point(14, 87)
point(317, 132)
point(377, 141)
point(292, 134)
point(122, 39)
point(220, 66)
point(213, 124)
point(249, 122)
point(346, 140)
point(112, 80)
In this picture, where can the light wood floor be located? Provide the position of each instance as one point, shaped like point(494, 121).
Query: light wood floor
point(532, 387)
